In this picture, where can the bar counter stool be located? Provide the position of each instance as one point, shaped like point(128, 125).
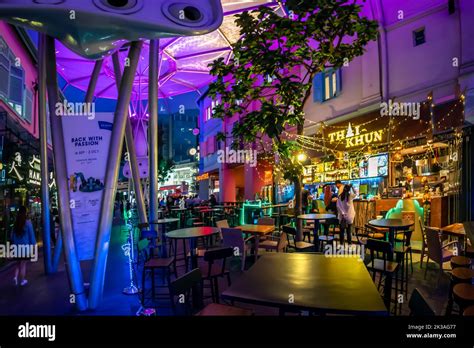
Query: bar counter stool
point(459, 275)
point(463, 295)
point(460, 261)
point(469, 312)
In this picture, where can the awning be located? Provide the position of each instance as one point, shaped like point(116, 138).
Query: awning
point(170, 187)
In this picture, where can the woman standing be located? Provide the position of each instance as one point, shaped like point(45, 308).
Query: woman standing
point(23, 234)
point(346, 212)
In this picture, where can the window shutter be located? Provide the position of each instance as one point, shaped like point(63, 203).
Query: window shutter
point(28, 109)
point(318, 88)
point(4, 68)
point(4, 74)
point(16, 85)
point(338, 81)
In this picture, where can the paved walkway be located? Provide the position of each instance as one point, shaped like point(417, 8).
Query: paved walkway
point(49, 295)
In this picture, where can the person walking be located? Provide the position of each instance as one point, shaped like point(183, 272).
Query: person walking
point(22, 234)
point(346, 212)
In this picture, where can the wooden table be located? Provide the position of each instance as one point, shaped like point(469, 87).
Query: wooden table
point(393, 225)
point(303, 281)
point(257, 231)
point(456, 230)
point(192, 234)
point(316, 218)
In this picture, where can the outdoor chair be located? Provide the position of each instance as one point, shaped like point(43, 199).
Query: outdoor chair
point(232, 237)
point(216, 268)
point(189, 289)
point(436, 251)
point(383, 267)
point(293, 243)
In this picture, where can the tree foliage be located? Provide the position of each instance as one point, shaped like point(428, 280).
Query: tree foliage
point(270, 77)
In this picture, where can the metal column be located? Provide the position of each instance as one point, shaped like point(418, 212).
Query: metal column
point(93, 81)
point(132, 154)
point(43, 135)
point(153, 128)
point(111, 176)
point(72, 261)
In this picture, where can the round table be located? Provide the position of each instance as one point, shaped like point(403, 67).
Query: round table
point(316, 218)
point(192, 234)
point(393, 225)
point(163, 222)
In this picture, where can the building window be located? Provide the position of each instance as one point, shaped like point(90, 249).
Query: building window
point(210, 110)
point(17, 87)
point(4, 69)
point(327, 85)
point(28, 116)
point(419, 37)
point(207, 114)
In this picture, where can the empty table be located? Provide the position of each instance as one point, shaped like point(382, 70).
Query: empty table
point(316, 218)
point(192, 234)
point(309, 282)
point(393, 225)
point(257, 231)
point(456, 230)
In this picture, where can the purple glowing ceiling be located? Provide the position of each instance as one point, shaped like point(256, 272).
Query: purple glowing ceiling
point(183, 61)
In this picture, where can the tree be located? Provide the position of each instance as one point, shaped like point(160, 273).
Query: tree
point(165, 166)
point(269, 80)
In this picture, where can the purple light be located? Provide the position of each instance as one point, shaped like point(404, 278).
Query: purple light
point(183, 65)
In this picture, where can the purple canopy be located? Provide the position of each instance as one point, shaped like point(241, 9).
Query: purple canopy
point(183, 61)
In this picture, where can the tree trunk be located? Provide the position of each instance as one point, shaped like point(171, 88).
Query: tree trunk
point(298, 191)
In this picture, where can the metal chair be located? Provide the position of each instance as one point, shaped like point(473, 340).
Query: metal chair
point(436, 251)
point(216, 268)
point(232, 237)
point(293, 243)
point(189, 290)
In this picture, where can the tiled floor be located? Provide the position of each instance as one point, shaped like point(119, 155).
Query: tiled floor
point(50, 295)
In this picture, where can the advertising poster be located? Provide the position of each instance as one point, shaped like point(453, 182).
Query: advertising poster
point(87, 147)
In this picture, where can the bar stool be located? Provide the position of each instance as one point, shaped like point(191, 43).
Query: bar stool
point(459, 275)
point(469, 312)
point(151, 265)
point(460, 261)
point(463, 295)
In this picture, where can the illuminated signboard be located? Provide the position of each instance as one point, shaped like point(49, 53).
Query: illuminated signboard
point(34, 171)
point(354, 136)
point(202, 177)
point(29, 172)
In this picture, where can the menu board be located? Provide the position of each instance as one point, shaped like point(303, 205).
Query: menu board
point(374, 166)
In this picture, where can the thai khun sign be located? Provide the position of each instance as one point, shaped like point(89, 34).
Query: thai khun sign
point(354, 136)
point(86, 145)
